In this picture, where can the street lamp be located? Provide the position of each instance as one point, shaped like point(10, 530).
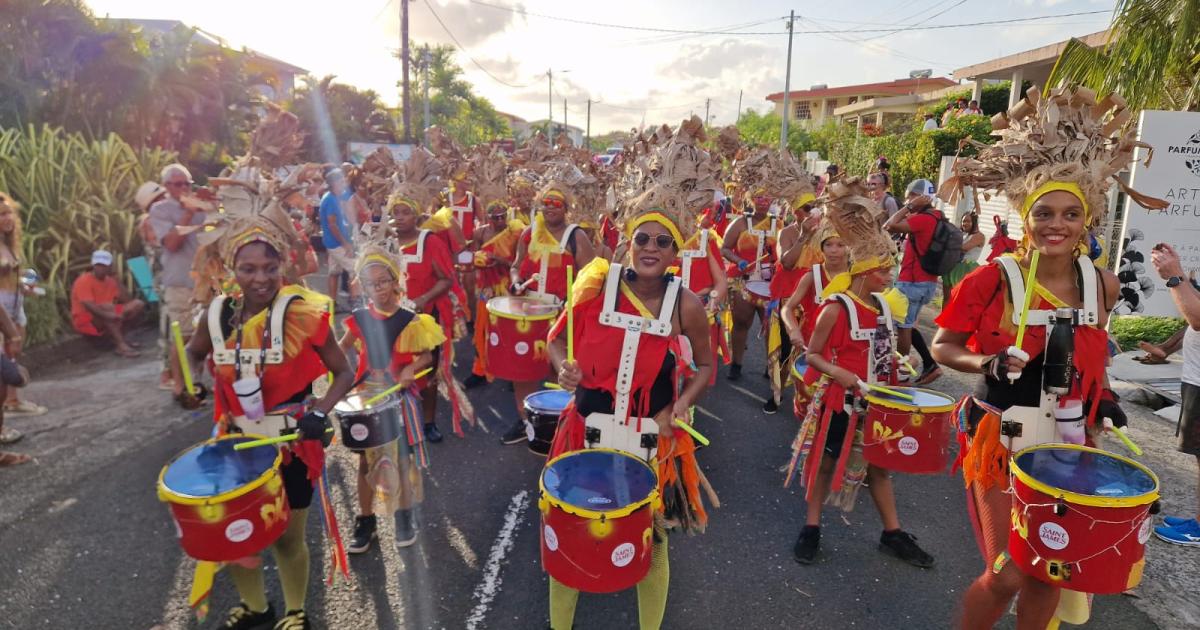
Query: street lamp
point(550, 101)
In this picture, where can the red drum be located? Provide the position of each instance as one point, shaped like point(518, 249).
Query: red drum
point(226, 504)
point(598, 510)
point(758, 292)
point(908, 435)
point(1081, 517)
point(517, 337)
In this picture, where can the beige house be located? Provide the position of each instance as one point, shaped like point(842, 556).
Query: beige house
point(811, 108)
point(1032, 65)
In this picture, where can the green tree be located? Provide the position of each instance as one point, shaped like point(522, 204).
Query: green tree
point(334, 114)
point(764, 129)
point(1152, 56)
point(453, 104)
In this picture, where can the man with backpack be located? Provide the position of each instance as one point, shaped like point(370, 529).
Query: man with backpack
point(933, 247)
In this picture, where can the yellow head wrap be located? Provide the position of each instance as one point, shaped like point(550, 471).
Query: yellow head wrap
point(1052, 186)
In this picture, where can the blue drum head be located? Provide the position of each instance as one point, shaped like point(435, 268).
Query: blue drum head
point(1086, 472)
point(214, 468)
point(800, 364)
point(548, 401)
point(599, 480)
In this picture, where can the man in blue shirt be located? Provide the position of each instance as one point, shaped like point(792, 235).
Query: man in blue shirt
point(335, 232)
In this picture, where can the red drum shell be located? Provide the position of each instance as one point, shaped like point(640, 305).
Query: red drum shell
point(908, 437)
point(516, 345)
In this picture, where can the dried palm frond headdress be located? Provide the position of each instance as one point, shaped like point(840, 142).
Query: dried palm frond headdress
point(858, 219)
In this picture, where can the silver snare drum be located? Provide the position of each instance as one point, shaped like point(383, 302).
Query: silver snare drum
point(364, 427)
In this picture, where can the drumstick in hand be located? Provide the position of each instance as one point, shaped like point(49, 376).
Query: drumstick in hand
point(570, 315)
point(1030, 285)
point(394, 388)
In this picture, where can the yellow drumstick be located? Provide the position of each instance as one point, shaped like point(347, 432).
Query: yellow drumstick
point(291, 437)
point(549, 385)
point(570, 315)
point(1030, 285)
point(332, 329)
point(889, 391)
point(394, 388)
point(1129, 443)
point(183, 360)
point(904, 361)
point(694, 433)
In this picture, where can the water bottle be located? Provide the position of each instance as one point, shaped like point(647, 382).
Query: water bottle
point(30, 279)
point(881, 350)
point(1058, 369)
point(1068, 418)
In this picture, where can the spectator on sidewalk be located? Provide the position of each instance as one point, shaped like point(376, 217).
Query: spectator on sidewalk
point(100, 306)
point(175, 224)
point(1184, 530)
point(12, 295)
point(336, 234)
point(930, 123)
point(972, 109)
point(879, 183)
point(917, 218)
point(12, 342)
point(954, 112)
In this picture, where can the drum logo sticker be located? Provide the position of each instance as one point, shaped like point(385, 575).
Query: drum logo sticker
point(623, 554)
point(494, 339)
point(550, 537)
point(599, 500)
point(359, 431)
point(1054, 536)
point(1144, 532)
point(522, 348)
point(239, 530)
point(908, 445)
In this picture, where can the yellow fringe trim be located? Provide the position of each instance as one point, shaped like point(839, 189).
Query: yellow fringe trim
point(422, 334)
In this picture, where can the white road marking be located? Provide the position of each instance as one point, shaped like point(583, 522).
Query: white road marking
point(708, 413)
point(749, 393)
point(489, 587)
point(459, 542)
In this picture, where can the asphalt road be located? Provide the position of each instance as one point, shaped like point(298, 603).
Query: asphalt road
point(85, 542)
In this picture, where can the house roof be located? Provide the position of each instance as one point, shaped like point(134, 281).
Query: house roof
point(204, 38)
point(1001, 67)
point(899, 86)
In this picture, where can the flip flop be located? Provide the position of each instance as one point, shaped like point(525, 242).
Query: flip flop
point(11, 436)
point(25, 408)
point(13, 459)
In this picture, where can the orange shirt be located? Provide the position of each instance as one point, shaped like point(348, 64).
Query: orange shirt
point(89, 288)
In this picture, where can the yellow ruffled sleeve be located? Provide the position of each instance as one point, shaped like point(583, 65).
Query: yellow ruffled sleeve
point(439, 221)
point(422, 334)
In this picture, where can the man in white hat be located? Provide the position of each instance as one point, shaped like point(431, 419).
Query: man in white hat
point(175, 225)
point(100, 306)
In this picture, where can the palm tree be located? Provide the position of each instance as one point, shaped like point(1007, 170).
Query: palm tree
point(1152, 56)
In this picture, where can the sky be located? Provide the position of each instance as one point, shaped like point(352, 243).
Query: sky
point(634, 77)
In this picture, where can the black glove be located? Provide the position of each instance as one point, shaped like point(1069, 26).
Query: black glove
point(315, 426)
point(1107, 408)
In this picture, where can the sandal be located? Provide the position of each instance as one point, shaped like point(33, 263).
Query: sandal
point(13, 459)
point(25, 407)
point(11, 436)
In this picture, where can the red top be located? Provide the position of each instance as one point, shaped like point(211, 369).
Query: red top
point(89, 288)
point(598, 349)
point(921, 226)
point(808, 303)
point(421, 277)
point(839, 348)
point(747, 246)
point(466, 216)
point(707, 221)
point(556, 283)
point(785, 281)
point(610, 233)
point(701, 280)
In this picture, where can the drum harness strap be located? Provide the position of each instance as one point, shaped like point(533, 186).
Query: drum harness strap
point(818, 285)
point(860, 333)
point(634, 326)
point(268, 354)
point(686, 255)
point(405, 259)
point(461, 211)
point(544, 271)
point(761, 236)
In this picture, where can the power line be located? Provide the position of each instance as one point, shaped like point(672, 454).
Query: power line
point(926, 18)
point(632, 27)
point(463, 49)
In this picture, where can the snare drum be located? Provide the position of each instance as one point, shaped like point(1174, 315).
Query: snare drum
point(598, 510)
point(542, 409)
point(517, 329)
point(1081, 517)
point(911, 436)
point(799, 366)
point(759, 291)
point(226, 504)
point(465, 260)
point(364, 427)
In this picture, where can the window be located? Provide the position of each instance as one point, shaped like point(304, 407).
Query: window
point(853, 100)
point(830, 105)
point(802, 111)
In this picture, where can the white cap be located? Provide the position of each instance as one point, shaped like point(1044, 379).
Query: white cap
point(920, 187)
point(101, 257)
point(147, 193)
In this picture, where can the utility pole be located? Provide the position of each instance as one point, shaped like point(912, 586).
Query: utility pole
point(404, 104)
point(550, 102)
point(707, 101)
point(739, 112)
point(787, 87)
point(426, 59)
point(589, 124)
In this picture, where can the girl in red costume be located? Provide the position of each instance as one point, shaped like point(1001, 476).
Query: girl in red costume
point(799, 312)
point(237, 328)
point(828, 448)
point(664, 386)
point(1059, 190)
point(794, 258)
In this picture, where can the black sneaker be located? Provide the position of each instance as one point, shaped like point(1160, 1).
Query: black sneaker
point(807, 544)
point(735, 372)
point(364, 533)
point(293, 620)
point(516, 434)
point(432, 434)
point(903, 545)
point(406, 528)
point(242, 618)
point(474, 380)
point(770, 407)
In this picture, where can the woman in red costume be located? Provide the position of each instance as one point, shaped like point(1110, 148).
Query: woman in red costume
point(255, 250)
point(799, 312)
point(425, 262)
point(749, 246)
point(794, 258)
point(841, 351)
point(664, 386)
point(495, 249)
point(700, 268)
point(1057, 196)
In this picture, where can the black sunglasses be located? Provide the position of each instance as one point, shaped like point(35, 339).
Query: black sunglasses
point(663, 241)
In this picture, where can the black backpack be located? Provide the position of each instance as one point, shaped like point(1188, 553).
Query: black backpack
point(945, 248)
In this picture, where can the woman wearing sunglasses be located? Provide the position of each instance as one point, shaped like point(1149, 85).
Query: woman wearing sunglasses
point(750, 249)
point(795, 255)
point(495, 246)
point(663, 386)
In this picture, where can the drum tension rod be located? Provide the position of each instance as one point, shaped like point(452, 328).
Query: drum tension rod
point(591, 435)
point(1011, 428)
point(1060, 508)
point(649, 440)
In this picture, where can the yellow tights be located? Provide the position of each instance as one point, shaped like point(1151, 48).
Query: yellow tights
point(291, 554)
point(651, 591)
